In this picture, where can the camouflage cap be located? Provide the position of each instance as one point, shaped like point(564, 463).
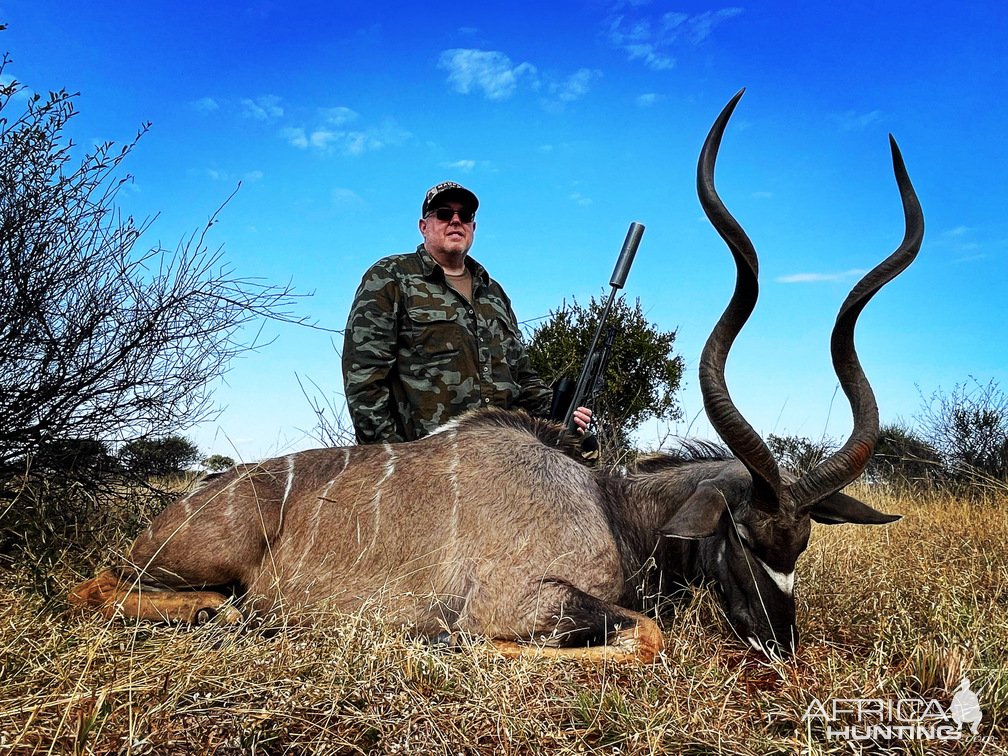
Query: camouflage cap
point(445, 191)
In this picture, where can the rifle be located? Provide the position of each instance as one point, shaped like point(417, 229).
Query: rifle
point(568, 396)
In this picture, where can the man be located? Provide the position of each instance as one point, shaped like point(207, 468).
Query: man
point(431, 335)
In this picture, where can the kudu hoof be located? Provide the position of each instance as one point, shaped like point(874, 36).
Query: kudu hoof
point(114, 598)
point(222, 614)
point(95, 592)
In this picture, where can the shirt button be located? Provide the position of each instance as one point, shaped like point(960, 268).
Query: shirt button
point(486, 369)
point(487, 400)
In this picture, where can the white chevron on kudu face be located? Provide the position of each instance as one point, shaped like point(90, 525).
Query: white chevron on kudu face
point(784, 580)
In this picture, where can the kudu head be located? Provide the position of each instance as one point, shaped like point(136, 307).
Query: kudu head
point(753, 521)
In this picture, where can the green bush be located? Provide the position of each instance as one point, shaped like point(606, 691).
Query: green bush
point(968, 427)
point(642, 375)
point(903, 457)
point(170, 455)
point(218, 463)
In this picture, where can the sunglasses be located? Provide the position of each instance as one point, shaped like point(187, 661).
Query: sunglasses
point(446, 214)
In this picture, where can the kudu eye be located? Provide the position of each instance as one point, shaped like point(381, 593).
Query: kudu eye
point(742, 533)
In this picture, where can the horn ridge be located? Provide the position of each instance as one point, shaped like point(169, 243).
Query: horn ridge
point(744, 442)
point(847, 463)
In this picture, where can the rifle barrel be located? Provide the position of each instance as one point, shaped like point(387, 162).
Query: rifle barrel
point(626, 255)
point(623, 263)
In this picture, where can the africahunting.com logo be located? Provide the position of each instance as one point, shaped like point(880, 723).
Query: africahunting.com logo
point(919, 719)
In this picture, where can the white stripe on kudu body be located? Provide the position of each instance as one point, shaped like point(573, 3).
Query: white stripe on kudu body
point(453, 478)
point(290, 479)
point(390, 461)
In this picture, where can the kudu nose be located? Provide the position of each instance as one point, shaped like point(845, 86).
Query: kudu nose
point(778, 649)
point(781, 648)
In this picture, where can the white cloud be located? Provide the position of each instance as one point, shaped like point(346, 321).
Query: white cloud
point(339, 115)
point(206, 104)
point(343, 196)
point(357, 143)
point(23, 94)
point(699, 27)
point(580, 199)
point(465, 166)
point(215, 174)
point(264, 108)
point(348, 142)
point(648, 99)
point(494, 75)
point(973, 258)
point(672, 22)
point(490, 71)
point(962, 242)
point(377, 137)
point(295, 136)
point(319, 138)
point(651, 38)
point(854, 121)
point(576, 86)
point(653, 59)
point(819, 277)
point(322, 139)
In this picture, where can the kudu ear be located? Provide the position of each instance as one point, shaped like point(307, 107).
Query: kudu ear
point(699, 516)
point(840, 508)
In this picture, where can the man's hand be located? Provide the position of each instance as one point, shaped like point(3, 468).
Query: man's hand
point(582, 418)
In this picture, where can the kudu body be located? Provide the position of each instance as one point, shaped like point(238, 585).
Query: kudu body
point(488, 527)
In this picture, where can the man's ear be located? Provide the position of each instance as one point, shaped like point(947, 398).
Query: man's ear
point(699, 516)
point(840, 508)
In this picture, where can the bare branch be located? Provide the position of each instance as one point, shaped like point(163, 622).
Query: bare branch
point(101, 337)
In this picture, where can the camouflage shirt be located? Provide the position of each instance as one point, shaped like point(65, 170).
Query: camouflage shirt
point(416, 353)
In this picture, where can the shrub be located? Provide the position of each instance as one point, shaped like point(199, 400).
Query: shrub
point(99, 338)
point(642, 375)
point(968, 426)
point(903, 457)
point(218, 463)
point(159, 456)
point(799, 454)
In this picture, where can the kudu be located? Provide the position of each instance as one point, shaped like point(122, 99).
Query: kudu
point(488, 528)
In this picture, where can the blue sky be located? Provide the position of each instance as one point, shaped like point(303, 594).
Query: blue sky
point(569, 120)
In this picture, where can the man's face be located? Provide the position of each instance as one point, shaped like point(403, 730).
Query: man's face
point(447, 237)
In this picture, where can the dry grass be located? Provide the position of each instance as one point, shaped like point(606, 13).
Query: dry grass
point(891, 613)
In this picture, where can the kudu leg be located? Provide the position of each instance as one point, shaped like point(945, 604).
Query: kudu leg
point(114, 597)
point(642, 641)
point(574, 624)
point(200, 541)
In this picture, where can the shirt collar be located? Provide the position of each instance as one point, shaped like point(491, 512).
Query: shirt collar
point(430, 266)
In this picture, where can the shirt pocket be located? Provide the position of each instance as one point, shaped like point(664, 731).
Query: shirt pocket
point(435, 333)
